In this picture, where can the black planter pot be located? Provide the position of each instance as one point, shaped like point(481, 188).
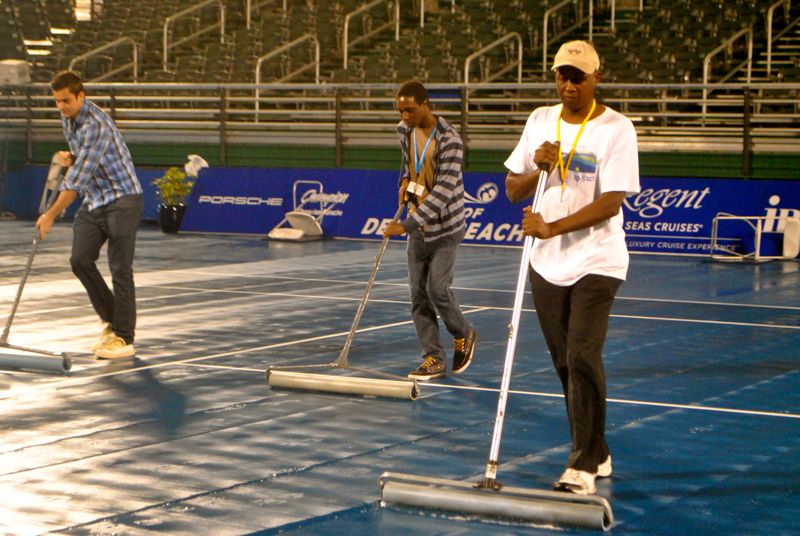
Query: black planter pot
point(170, 216)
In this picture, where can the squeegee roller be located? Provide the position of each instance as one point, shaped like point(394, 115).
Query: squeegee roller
point(540, 507)
point(343, 384)
point(34, 363)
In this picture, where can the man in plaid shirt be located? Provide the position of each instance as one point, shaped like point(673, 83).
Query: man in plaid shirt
point(432, 185)
point(100, 171)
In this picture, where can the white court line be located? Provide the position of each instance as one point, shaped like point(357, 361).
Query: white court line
point(704, 302)
point(715, 322)
point(627, 402)
point(193, 292)
point(497, 308)
point(68, 382)
point(195, 361)
point(501, 291)
point(667, 405)
point(225, 367)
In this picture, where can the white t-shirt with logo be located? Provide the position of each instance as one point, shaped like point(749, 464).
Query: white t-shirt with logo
point(606, 159)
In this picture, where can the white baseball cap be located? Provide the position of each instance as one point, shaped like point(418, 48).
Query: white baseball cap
point(578, 54)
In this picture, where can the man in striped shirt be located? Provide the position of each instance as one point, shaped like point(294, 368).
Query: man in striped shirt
point(432, 186)
point(101, 172)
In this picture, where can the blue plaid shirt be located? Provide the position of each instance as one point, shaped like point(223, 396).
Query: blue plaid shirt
point(103, 169)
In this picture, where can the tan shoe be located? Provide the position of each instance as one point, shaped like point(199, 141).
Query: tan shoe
point(114, 347)
point(107, 332)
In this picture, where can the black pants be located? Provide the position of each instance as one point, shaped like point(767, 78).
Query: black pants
point(574, 321)
point(116, 223)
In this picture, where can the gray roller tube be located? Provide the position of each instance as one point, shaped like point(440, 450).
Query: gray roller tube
point(537, 506)
point(408, 390)
point(34, 363)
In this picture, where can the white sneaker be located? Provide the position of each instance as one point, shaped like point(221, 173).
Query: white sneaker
point(107, 332)
point(576, 481)
point(114, 347)
point(604, 469)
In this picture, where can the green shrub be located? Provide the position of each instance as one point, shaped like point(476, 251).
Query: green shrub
point(173, 186)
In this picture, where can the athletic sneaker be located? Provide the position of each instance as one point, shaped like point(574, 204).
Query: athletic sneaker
point(604, 469)
point(464, 349)
point(431, 368)
point(107, 332)
point(114, 347)
point(576, 481)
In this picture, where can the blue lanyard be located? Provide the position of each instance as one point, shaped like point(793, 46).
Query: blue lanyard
point(418, 160)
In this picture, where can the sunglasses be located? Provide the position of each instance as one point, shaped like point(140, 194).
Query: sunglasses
point(572, 75)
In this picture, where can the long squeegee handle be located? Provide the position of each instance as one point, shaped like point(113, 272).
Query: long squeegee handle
point(513, 328)
point(46, 202)
point(341, 361)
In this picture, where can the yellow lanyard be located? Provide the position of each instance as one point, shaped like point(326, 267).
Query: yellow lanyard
point(565, 168)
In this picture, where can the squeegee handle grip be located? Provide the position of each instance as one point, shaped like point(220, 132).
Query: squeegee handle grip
point(505, 382)
point(342, 359)
point(50, 192)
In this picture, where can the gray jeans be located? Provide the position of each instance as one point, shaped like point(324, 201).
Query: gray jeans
point(116, 223)
point(430, 275)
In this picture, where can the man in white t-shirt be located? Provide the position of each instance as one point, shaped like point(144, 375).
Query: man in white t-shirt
point(579, 257)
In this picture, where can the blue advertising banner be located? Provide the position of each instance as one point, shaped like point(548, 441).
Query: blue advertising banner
point(353, 203)
point(675, 215)
point(669, 215)
point(255, 200)
point(23, 191)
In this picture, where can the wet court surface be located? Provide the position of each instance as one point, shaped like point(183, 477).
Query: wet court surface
point(703, 374)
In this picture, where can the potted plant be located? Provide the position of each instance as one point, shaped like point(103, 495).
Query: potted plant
point(172, 188)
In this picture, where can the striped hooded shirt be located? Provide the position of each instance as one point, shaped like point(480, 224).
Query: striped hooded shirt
point(442, 212)
point(103, 169)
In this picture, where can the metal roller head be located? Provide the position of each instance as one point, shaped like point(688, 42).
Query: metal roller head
point(540, 507)
point(34, 363)
point(408, 390)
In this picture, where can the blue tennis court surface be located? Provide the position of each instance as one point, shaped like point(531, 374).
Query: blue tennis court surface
point(702, 359)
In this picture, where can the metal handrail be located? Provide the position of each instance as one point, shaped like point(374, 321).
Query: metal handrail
point(787, 7)
point(578, 24)
point(112, 44)
point(346, 44)
point(749, 61)
point(175, 16)
point(249, 7)
point(279, 50)
point(422, 11)
point(490, 46)
point(614, 13)
point(189, 113)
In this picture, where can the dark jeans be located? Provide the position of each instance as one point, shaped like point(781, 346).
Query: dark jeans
point(574, 321)
point(116, 223)
point(430, 275)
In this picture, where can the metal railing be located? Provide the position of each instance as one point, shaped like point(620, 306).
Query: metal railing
point(787, 6)
point(134, 64)
point(287, 77)
point(669, 118)
point(422, 11)
point(727, 47)
point(167, 46)
point(346, 43)
point(250, 7)
point(614, 13)
point(487, 77)
point(581, 19)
